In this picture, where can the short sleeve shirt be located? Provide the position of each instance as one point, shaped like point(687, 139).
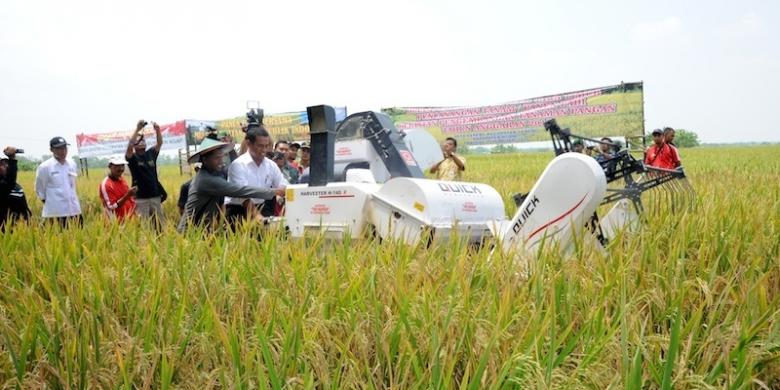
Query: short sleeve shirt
point(448, 170)
point(143, 167)
point(55, 183)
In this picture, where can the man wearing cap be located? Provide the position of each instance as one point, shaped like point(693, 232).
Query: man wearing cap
point(305, 157)
point(143, 167)
point(115, 194)
point(185, 189)
point(208, 189)
point(13, 204)
point(292, 156)
point(253, 169)
point(661, 154)
point(55, 185)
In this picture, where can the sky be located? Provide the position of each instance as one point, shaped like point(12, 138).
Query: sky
point(69, 67)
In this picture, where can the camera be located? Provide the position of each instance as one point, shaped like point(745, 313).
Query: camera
point(19, 151)
point(254, 118)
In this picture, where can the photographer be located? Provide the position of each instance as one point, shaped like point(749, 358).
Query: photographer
point(13, 204)
point(143, 167)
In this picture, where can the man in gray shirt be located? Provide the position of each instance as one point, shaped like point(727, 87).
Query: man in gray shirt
point(209, 187)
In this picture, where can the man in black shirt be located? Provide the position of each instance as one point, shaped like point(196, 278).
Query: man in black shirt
point(143, 167)
point(13, 204)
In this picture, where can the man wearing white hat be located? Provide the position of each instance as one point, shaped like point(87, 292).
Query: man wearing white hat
point(55, 185)
point(117, 198)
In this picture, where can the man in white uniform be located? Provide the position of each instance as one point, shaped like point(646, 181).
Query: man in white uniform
point(55, 185)
point(253, 169)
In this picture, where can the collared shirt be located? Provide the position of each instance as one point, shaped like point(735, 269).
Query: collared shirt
point(111, 191)
point(448, 170)
point(55, 183)
point(245, 172)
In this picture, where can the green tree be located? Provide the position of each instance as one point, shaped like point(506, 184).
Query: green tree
point(685, 138)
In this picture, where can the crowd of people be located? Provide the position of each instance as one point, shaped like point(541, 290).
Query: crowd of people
point(662, 153)
point(229, 185)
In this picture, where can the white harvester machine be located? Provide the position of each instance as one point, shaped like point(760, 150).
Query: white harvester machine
point(378, 184)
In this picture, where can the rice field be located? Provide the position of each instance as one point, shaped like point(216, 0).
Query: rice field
point(692, 300)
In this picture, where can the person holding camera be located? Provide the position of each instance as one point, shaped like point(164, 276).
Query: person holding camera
point(143, 167)
point(289, 172)
point(452, 165)
point(55, 185)
point(13, 204)
point(115, 194)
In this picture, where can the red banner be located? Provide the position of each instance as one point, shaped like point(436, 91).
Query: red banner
point(115, 143)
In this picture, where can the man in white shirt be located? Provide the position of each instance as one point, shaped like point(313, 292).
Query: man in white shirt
point(253, 169)
point(55, 185)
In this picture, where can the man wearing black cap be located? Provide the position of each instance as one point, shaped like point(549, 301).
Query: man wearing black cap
point(208, 189)
point(143, 167)
point(55, 185)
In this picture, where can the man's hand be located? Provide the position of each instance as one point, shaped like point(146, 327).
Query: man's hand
point(133, 190)
point(280, 191)
point(10, 151)
point(140, 125)
point(156, 126)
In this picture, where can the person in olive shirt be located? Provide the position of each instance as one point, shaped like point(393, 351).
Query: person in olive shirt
point(143, 167)
point(208, 189)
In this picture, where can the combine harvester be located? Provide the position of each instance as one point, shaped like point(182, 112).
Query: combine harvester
point(364, 176)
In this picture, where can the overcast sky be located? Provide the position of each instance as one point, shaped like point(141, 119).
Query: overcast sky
point(68, 67)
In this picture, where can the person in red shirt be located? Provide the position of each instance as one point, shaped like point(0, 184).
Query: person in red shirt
point(116, 196)
point(661, 154)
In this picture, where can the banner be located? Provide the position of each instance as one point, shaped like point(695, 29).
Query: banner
point(115, 143)
point(290, 126)
point(616, 110)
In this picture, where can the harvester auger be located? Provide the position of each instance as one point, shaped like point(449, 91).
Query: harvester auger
point(629, 179)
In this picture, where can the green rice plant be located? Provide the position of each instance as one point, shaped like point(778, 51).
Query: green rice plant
point(690, 300)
